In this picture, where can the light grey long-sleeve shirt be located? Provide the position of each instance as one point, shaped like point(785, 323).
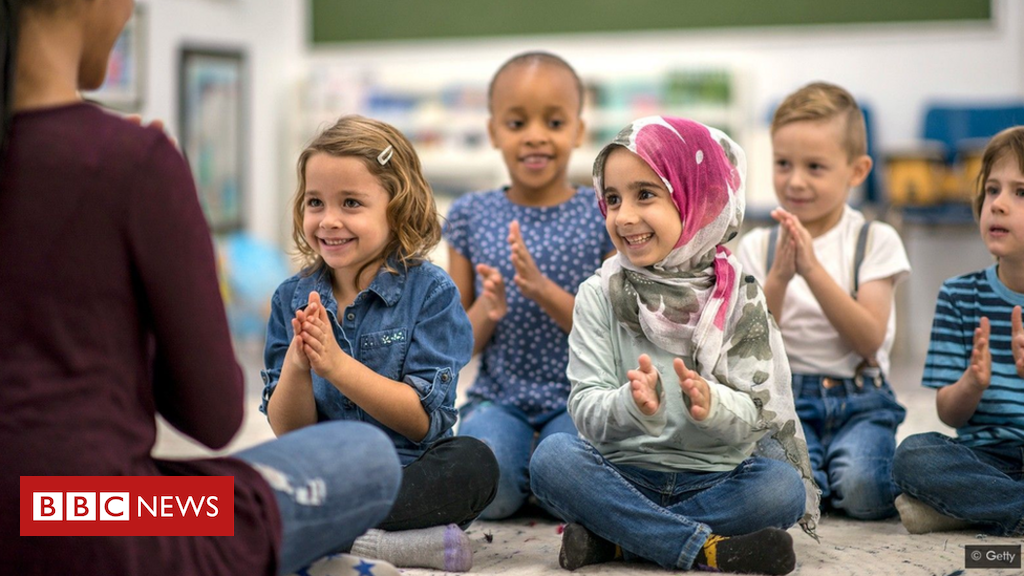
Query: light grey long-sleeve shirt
point(601, 403)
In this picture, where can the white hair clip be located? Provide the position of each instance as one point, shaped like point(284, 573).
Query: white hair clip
point(386, 155)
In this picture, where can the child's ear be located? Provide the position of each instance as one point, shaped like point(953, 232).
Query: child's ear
point(581, 131)
point(861, 169)
point(490, 132)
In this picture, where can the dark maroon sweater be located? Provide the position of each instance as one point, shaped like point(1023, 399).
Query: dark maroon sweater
point(109, 313)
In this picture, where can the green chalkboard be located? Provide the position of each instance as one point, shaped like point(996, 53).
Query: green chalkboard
point(381, 20)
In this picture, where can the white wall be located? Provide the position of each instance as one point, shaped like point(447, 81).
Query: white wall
point(895, 67)
point(272, 35)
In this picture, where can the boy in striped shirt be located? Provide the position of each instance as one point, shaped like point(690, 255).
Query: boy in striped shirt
point(976, 361)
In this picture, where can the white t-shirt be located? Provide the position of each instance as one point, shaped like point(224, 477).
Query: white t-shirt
point(812, 344)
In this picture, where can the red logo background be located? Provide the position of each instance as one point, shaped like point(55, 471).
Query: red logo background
point(177, 488)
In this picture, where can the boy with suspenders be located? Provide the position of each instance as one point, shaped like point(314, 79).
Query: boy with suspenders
point(829, 278)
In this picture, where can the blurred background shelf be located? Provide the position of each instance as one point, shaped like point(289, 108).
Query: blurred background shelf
point(446, 120)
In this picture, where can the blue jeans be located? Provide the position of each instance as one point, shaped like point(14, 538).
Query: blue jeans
point(512, 437)
point(980, 484)
point(333, 481)
point(663, 517)
point(851, 438)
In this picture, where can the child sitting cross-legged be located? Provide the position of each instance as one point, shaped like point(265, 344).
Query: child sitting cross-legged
point(678, 373)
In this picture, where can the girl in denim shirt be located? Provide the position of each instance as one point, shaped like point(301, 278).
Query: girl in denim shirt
point(371, 331)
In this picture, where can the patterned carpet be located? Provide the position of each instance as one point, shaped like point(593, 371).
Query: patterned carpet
point(528, 545)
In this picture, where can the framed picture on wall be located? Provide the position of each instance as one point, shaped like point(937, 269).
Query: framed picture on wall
point(122, 89)
point(212, 88)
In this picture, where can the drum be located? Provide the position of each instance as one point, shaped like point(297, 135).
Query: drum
point(916, 176)
point(969, 153)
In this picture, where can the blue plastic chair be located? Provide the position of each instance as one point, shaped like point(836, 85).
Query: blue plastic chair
point(253, 269)
point(952, 124)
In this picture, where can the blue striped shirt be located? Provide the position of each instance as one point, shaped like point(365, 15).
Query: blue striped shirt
point(962, 302)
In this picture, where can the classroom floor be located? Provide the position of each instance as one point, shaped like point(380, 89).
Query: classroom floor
point(527, 545)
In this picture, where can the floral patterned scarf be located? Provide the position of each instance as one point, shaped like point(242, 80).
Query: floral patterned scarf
point(697, 303)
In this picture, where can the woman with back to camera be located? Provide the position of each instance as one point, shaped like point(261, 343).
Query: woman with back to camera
point(111, 313)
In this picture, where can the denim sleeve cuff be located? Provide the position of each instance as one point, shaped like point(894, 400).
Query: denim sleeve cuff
point(432, 394)
point(270, 378)
point(432, 397)
point(441, 421)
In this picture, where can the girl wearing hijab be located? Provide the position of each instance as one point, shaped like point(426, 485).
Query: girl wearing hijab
point(678, 374)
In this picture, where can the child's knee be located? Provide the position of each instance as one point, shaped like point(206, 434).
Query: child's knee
point(548, 453)
point(788, 507)
point(903, 464)
point(552, 461)
point(482, 477)
point(506, 502)
point(865, 492)
point(789, 500)
point(773, 492)
point(912, 456)
point(376, 452)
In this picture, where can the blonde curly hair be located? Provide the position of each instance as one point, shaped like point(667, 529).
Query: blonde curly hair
point(411, 212)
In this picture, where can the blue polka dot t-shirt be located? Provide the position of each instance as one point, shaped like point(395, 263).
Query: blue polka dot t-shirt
point(524, 363)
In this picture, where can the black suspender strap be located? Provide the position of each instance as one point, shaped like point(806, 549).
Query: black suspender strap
point(773, 238)
point(858, 256)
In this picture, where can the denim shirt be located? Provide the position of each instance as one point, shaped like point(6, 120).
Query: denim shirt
point(409, 327)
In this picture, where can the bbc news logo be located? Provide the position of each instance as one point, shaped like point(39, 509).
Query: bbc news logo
point(127, 506)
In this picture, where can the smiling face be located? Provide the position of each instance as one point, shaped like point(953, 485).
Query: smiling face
point(1002, 211)
point(344, 214)
point(642, 220)
point(535, 122)
point(813, 173)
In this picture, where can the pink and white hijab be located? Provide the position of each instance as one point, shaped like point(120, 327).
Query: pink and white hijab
point(697, 303)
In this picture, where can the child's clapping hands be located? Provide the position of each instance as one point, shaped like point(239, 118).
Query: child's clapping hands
point(530, 280)
point(643, 382)
point(296, 355)
point(795, 251)
point(1017, 339)
point(979, 372)
point(696, 388)
point(324, 355)
point(493, 296)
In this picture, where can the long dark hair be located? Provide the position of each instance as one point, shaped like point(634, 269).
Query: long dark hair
point(8, 43)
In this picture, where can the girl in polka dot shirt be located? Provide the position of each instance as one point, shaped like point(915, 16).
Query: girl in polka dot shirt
point(517, 255)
